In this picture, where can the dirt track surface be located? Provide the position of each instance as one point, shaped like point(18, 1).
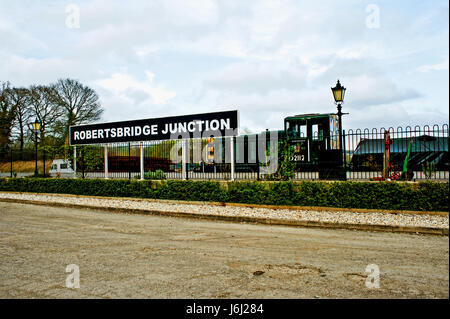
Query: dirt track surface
point(139, 256)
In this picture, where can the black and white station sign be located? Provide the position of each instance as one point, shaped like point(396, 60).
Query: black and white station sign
point(187, 126)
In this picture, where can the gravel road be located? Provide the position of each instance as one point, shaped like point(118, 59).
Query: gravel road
point(345, 217)
point(138, 256)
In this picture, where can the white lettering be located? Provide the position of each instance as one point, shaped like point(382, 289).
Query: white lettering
point(146, 130)
point(225, 124)
point(200, 123)
point(182, 127)
point(137, 131)
point(126, 131)
point(76, 136)
point(214, 125)
point(165, 130)
point(119, 132)
point(173, 128)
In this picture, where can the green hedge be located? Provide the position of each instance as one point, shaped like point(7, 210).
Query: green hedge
point(424, 196)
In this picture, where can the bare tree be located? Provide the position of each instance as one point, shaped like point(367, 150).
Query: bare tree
point(80, 102)
point(20, 98)
point(44, 108)
point(7, 116)
point(42, 99)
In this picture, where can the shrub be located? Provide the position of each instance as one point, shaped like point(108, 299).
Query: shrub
point(247, 192)
point(429, 169)
point(424, 196)
point(158, 174)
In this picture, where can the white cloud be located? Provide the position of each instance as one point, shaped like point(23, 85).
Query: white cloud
point(435, 67)
point(367, 91)
point(269, 58)
point(23, 71)
point(122, 84)
point(261, 77)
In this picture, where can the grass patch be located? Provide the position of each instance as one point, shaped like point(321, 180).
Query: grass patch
point(25, 166)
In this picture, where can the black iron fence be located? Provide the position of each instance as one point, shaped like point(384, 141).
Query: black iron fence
point(421, 152)
point(22, 162)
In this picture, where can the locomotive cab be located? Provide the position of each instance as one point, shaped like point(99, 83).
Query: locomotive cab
point(315, 139)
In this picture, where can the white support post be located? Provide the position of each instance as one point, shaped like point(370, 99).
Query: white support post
point(106, 161)
point(74, 162)
point(142, 161)
point(183, 159)
point(232, 158)
point(307, 145)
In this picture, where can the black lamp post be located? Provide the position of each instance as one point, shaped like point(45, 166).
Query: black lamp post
point(338, 94)
point(35, 127)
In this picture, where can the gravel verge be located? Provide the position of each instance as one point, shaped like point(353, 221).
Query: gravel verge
point(398, 219)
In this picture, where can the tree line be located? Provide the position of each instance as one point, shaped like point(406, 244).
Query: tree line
point(56, 106)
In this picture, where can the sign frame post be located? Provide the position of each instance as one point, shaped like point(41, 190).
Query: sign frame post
point(106, 162)
point(141, 160)
point(232, 158)
point(74, 162)
point(184, 159)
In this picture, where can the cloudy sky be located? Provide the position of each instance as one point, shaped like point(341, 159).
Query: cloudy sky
point(267, 59)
